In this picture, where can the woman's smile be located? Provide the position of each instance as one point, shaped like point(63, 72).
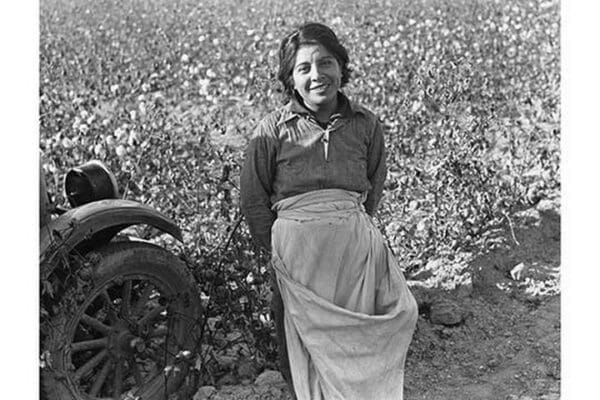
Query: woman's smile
point(320, 88)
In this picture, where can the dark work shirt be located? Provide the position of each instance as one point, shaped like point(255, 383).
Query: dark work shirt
point(291, 153)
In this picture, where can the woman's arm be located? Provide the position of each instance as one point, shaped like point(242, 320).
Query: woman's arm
point(376, 168)
point(256, 187)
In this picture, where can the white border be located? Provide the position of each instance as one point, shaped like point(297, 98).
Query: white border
point(580, 181)
point(19, 310)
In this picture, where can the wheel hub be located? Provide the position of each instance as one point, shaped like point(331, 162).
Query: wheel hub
point(122, 342)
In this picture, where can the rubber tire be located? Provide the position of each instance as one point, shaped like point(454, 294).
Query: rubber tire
point(113, 261)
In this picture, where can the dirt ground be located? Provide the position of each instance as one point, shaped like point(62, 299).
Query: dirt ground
point(495, 337)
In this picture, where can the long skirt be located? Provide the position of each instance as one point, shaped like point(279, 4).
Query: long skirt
point(349, 316)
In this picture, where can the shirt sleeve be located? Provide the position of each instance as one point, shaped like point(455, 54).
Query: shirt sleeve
point(376, 168)
point(256, 186)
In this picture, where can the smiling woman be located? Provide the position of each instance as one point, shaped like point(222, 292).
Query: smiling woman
point(308, 57)
point(317, 78)
point(312, 178)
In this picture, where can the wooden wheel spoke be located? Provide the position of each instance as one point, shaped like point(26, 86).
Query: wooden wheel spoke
point(152, 315)
point(126, 296)
point(100, 379)
point(89, 344)
point(90, 364)
point(118, 387)
point(94, 323)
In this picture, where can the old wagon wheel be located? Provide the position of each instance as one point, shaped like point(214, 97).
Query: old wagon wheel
point(125, 335)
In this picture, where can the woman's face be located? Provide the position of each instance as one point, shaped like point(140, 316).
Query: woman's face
point(317, 76)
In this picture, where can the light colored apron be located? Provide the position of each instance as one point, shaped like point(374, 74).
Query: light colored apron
point(349, 315)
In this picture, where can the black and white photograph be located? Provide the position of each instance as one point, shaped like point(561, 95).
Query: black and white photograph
point(307, 200)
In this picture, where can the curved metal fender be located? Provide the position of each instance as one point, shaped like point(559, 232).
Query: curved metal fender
point(79, 224)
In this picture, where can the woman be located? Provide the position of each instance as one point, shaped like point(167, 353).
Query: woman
point(313, 175)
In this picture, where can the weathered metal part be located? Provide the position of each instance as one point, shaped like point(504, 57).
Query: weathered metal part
point(89, 182)
point(82, 223)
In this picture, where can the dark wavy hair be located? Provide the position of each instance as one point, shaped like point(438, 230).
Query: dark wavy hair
point(309, 33)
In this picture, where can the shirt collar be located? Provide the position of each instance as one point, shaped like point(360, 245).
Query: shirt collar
point(294, 108)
